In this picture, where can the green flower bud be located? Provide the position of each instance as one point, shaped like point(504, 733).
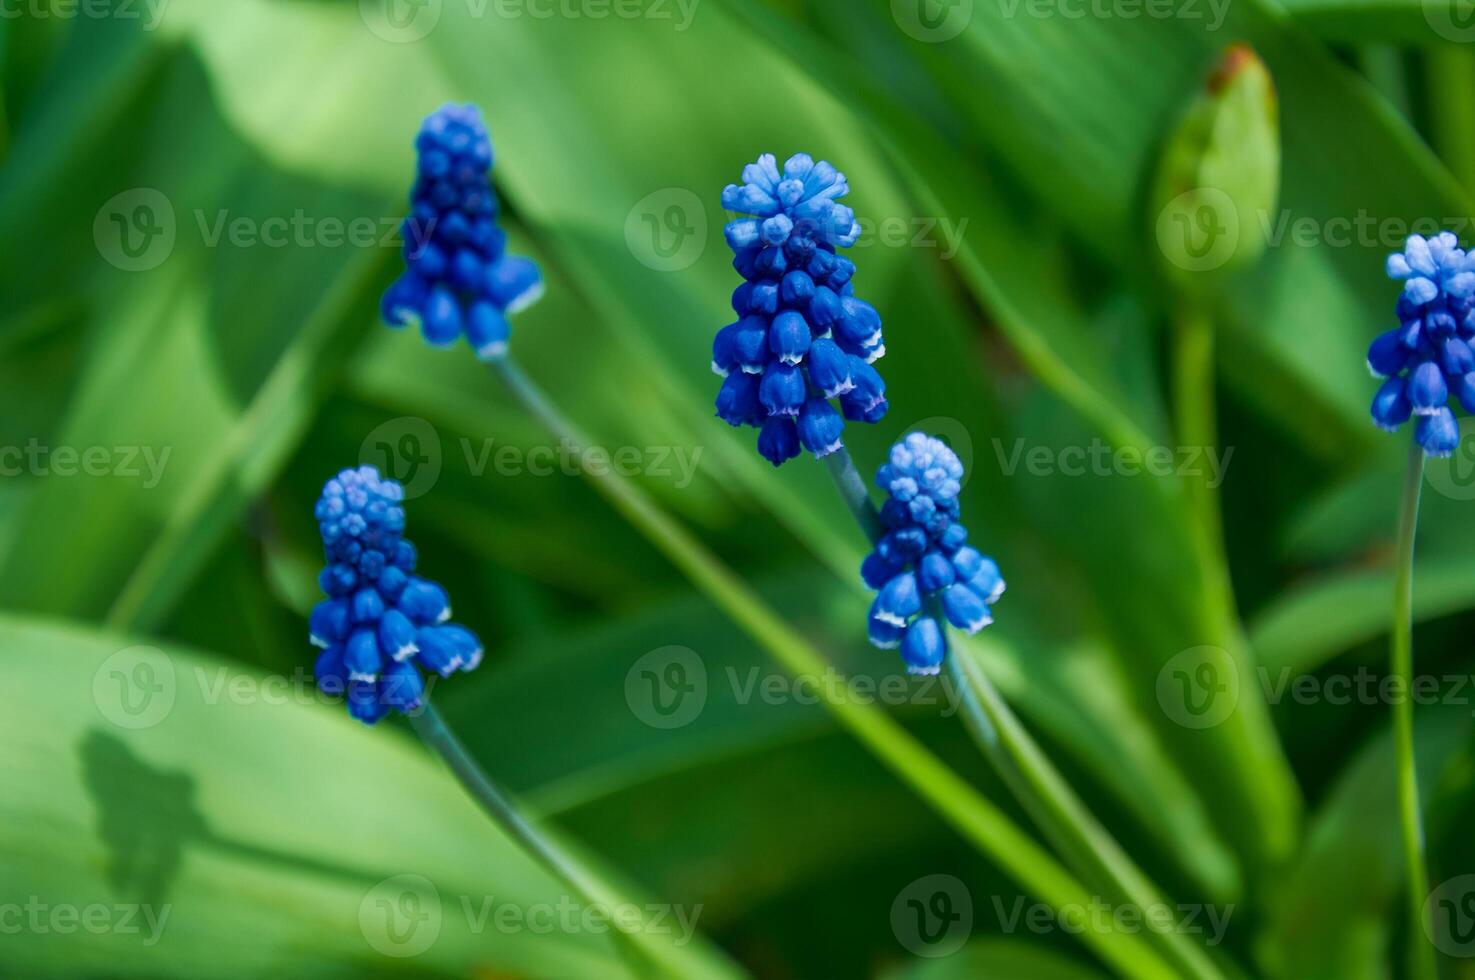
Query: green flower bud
point(1219, 178)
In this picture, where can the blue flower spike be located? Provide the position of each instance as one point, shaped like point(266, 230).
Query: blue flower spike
point(802, 339)
point(458, 280)
point(1430, 356)
point(923, 561)
point(381, 623)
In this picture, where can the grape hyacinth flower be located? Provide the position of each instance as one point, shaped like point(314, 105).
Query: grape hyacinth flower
point(1430, 356)
point(923, 561)
point(802, 338)
point(380, 620)
point(459, 279)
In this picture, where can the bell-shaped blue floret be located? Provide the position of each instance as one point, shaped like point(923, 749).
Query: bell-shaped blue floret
point(782, 389)
point(513, 283)
point(1438, 433)
point(488, 331)
point(425, 602)
point(1427, 389)
point(829, 368)
point(737, 400)
point(331, 674)
point(401, 688)
point(898, 601)
point(1388, 354)
point(935, 572)
point(1391, 407)
point(965, 609)
point(923, 647)
point(364, 702)
point(778, 441)
point(396, 636)
point(442, 323)
point(328, 623)
point(987, 581)
point(750, 344)
point(788, 338)
point(361, 655)
point(877, 571)
point(883, 635)
point(820, 427)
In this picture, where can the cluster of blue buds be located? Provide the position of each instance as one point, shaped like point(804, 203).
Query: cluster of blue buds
point(1429, 356)
point(923, 560)
point(802, 338)
point(379, 619)
point(458, 278)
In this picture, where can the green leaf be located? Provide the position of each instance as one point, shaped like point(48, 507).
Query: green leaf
point(1331, 918)
point(201, 372)
point(1309, 626)
point(157, 780)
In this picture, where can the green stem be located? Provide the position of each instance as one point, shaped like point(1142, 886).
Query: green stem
point(432, 728)
point(1421, 953)
point(1087, 847)
point(971, 813)
point(852, 488)
point(1261, 756)
point(1450, 73)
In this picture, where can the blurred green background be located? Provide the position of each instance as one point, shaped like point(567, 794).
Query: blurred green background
point(190, 346)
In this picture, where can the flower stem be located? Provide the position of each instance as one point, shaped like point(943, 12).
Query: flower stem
point(1421, 953)
point(434, 731)
point(1260, 773)
point(852, 488)
point(1087, 847)
point(969, 812)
